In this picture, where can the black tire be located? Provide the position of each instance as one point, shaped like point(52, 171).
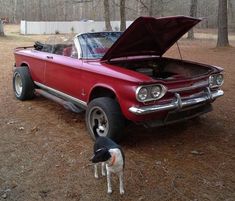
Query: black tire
point(109, 116)
point(23, 85)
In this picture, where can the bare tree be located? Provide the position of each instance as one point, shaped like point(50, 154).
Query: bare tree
point(192, 13)
point(65, 10)
point(231, 11)
point(108, 26)
point(1, 28)
point(151, 6)
point(122, 15)
point(14, 12)
point(155, 7)
point(222, 40)
point(40, 10)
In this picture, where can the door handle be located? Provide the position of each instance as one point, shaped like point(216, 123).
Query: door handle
point(50, 57)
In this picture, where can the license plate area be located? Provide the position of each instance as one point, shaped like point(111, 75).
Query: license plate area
point(187, 113)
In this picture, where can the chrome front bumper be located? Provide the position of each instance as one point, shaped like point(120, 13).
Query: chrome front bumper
point(178, 103)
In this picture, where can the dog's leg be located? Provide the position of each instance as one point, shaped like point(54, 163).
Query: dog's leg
point(103, 169)
point(96, 170)
point(121, 187)
point(109, 181)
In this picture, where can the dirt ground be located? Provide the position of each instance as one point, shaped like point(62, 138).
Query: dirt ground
point(45, 149)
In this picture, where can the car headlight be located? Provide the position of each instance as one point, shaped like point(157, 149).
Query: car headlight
point(156, 91)
point(142, 94)
point(150, 92)
point(219, 79)
point(216, 80)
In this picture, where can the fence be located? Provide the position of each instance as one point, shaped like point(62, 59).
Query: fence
point(29, 27)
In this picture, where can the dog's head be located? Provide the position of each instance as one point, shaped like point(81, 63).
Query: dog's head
point(101, 155)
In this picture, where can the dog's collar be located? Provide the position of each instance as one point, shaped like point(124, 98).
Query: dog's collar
point(113, 159)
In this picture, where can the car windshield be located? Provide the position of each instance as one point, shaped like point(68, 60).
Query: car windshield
point(95, 45)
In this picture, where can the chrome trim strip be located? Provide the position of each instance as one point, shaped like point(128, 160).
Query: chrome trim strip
point(78, 47)
point(61, 94)
point(177, 103)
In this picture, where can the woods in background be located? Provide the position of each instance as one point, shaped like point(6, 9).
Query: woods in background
point(67, 10)
point(216, 13)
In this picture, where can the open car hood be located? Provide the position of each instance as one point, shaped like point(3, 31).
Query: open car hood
point(150, 36)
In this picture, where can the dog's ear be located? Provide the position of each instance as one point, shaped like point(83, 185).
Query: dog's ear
point(101, 155)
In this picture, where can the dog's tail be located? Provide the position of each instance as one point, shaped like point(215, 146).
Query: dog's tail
point(95, 127)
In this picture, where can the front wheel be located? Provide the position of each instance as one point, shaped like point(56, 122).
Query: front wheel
point(107, 113)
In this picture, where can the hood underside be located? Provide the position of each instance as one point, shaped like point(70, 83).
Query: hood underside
point(150, 36)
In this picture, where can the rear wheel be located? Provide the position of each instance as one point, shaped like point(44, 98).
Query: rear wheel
point(107, 113)
point(23, 85)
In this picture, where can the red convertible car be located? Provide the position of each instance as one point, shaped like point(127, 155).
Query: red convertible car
point(116, 76)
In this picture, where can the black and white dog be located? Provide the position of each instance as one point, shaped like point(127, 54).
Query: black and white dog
point(111, 157)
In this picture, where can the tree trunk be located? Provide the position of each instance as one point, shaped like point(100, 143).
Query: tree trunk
point(1, 29)
point(40, 18)
point(108, 26)
point(231, 15)
point(24, 10)
point(193, 13)
point(151, 7)
point(65, 10)
point(222, 40)
point(14, 12)
point(122, 15)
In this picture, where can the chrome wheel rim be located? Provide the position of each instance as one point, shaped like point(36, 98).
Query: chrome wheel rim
point(18, 84)
point(97, 115)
